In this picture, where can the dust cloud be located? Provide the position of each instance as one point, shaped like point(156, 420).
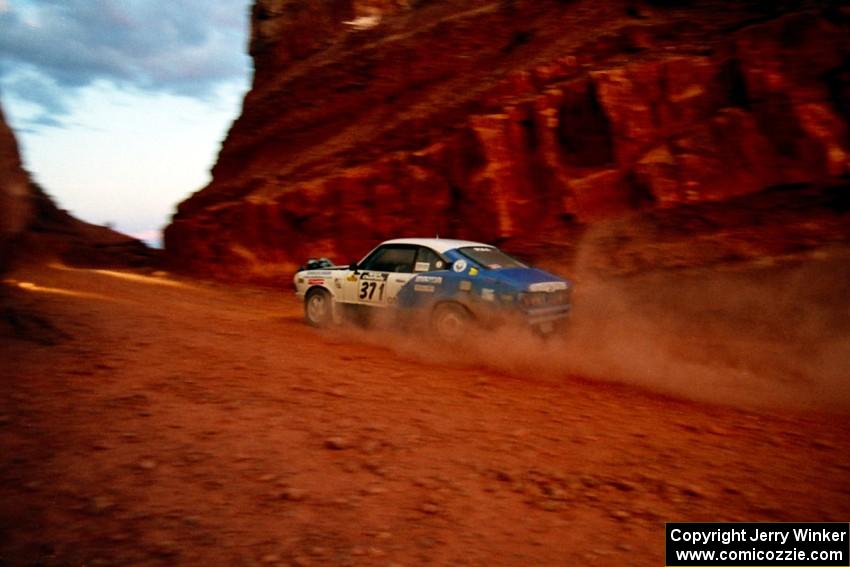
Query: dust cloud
point(753, 336)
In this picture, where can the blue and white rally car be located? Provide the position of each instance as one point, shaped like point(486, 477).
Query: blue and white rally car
point(449, 284)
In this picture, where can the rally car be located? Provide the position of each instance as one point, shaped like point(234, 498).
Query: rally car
point(451, 285)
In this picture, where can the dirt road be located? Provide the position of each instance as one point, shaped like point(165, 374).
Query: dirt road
point(154, 421)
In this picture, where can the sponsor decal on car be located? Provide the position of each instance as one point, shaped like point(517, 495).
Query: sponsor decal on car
point(459, 266)
point(316, 281)
point(429, 279)
point(423, 288)
point(374, 276)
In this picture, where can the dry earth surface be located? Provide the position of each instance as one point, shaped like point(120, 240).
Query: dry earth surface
point(148, 420)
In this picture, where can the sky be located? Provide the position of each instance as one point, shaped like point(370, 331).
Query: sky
point(120, 106)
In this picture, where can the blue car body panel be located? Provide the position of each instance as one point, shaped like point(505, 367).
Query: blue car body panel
point(487, 293)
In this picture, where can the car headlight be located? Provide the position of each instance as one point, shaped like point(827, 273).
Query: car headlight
point(532, 299)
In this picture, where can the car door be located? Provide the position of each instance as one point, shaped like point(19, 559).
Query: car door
point(381, 275)
point(426, 260)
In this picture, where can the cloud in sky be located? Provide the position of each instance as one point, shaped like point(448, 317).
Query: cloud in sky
point(50, 49)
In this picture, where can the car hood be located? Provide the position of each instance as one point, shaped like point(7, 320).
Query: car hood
point(523, 278)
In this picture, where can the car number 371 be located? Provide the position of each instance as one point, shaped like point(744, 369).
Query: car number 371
point(368, 291)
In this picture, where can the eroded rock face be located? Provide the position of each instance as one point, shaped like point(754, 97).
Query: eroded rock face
point(509, 122)
point(285, 31)
point(15, 206)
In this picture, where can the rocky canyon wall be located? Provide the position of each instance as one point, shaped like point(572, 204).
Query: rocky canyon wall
point(15, 207)
point(514, 122)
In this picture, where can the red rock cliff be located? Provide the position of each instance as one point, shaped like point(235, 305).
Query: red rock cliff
point(511, 121)
point(15, 207)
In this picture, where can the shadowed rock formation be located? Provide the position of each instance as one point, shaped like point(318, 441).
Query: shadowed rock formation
point(515, 122)
point(15, 206)
point(33, 228)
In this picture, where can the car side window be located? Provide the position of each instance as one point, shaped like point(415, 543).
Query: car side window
point(398, 259)
point(427, 260)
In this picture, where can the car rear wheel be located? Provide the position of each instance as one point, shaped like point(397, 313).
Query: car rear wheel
point(317, 307)
point(450, 321)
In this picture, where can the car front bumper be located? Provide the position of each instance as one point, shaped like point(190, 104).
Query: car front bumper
point(540, 319)
point(548, 314)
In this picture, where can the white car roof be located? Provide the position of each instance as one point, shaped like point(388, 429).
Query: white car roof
point(438, 244)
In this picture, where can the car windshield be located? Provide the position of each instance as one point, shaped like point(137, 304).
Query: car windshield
point(489, 257)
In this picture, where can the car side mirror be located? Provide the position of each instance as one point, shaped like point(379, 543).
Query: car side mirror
point(353, 267)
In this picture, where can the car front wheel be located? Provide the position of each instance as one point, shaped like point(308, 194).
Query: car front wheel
point(450, 321)
point(317, 308)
